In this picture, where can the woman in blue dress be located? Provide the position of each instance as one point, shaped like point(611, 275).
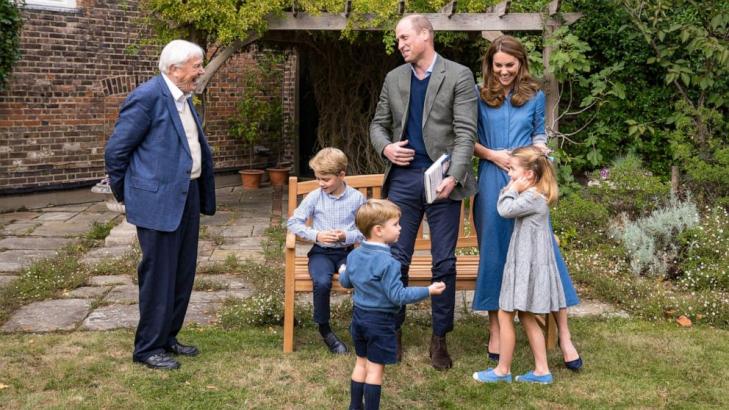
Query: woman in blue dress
point(510, 115)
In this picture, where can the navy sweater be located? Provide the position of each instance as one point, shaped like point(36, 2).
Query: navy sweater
point(414, 125)
point(375, 276)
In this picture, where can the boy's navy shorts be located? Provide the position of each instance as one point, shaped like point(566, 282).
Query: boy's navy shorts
point(373, 335)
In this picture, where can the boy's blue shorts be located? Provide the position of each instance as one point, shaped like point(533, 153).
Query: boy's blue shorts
point(373, 335)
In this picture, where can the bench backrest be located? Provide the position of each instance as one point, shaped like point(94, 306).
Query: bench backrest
point(371, 187)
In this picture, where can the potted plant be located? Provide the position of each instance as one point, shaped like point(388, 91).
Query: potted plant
point(279, 174)
point(246, 125)
point(256, 116)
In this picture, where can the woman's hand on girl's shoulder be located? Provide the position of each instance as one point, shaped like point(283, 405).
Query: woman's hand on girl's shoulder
point(500, 158)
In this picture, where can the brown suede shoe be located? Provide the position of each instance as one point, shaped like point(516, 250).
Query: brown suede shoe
point(439, 356)
point(399, 345)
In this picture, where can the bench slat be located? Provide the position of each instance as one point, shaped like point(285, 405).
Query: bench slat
point(297, 277)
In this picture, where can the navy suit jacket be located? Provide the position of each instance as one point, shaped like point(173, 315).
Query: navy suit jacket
point(148, 159)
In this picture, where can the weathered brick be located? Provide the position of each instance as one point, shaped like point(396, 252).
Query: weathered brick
point(62, 100)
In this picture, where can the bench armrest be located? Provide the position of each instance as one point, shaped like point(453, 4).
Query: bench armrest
point(290, 240)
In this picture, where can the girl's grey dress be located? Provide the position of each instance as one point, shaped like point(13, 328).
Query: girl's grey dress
point(531, 280)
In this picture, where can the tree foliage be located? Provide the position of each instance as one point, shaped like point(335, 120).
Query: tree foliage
point(643, 77)
point(689, 41)
point(10, 24)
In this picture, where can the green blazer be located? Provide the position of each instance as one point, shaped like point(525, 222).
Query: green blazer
point(449, 118)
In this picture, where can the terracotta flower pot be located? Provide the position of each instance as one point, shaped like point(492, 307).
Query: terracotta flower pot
point(278, 176)
point(251, 178)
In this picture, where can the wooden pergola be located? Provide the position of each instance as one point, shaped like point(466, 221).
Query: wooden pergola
point(491, 24)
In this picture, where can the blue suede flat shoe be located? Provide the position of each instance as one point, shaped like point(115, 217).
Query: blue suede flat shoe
point(530, 377)
point(488, 376)
point(494, 356)
point(574, 365)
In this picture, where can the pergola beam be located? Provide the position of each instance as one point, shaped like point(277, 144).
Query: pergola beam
point(441, 22)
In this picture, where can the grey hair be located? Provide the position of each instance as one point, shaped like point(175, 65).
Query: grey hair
point(177, 52)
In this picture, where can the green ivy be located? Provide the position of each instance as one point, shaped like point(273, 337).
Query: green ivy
point(10, 24)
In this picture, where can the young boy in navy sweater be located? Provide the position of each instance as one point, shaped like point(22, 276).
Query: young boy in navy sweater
point(378, 295)
point(331, 209)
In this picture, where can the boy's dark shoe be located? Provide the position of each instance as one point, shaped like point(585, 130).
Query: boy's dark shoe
point(335, 345)
point(184, 350)
point(439, 356)
point(398, 357)
point(161, 361)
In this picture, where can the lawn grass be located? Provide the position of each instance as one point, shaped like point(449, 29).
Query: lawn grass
point(628, 363)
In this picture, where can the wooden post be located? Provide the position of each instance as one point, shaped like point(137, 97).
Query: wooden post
point(674, 179)
point(551, 89)
point(289, 280)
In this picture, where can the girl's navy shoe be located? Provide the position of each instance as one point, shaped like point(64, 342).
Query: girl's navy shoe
point(574, 365)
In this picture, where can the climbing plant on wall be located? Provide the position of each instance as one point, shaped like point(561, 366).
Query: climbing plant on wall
point(10, 24)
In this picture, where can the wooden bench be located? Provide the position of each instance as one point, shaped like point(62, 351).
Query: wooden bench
point(297, 272)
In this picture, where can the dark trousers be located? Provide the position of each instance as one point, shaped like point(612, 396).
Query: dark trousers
point(166, 275)
point(323, 262)
point(406, 190)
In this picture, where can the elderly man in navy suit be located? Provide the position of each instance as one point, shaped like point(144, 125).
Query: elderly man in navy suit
point(160, 166)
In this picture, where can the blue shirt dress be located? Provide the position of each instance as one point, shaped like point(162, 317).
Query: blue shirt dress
point(504, 128)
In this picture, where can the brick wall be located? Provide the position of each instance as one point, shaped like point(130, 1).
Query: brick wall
point(63, 97)
point(225, 89)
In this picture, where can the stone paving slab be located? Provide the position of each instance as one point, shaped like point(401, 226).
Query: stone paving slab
point(248, 220)
point(588, 308)
point(56, 216)
point(87, 292)
point(99, 254)
point(6, 279)
point(112, 317)
point(123, 295)
point(220, 218)
point(123, 233)
point(253, 243)
point(231, 282)
point(98, 207)
point(202, 313)
point(17, 216)
point(218, 295)
point(48, 316)
point(220, 255)
point(15, 260)
point(57, 228)
point(110, 280)
point(237, 231)
point(89, 218)
point(25, 242)
point(205, 248)
point(19, 228)
point(67, 208)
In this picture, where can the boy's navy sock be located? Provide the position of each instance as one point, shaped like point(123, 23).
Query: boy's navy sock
point(356, 392)
point(372, 396)
point(324, 329)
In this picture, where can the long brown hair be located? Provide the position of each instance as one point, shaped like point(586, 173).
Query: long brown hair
point(532, 159)
point(525, 87)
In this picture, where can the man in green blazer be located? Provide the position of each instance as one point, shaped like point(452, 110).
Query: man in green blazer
point(427, 107)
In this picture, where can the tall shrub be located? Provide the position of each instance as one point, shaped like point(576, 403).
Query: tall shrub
point(689, 43)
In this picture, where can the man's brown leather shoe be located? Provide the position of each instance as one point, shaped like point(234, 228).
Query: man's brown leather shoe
point(439, 356)
point(399, 345)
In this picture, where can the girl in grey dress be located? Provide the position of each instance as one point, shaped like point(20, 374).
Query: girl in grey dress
point(531, 283)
